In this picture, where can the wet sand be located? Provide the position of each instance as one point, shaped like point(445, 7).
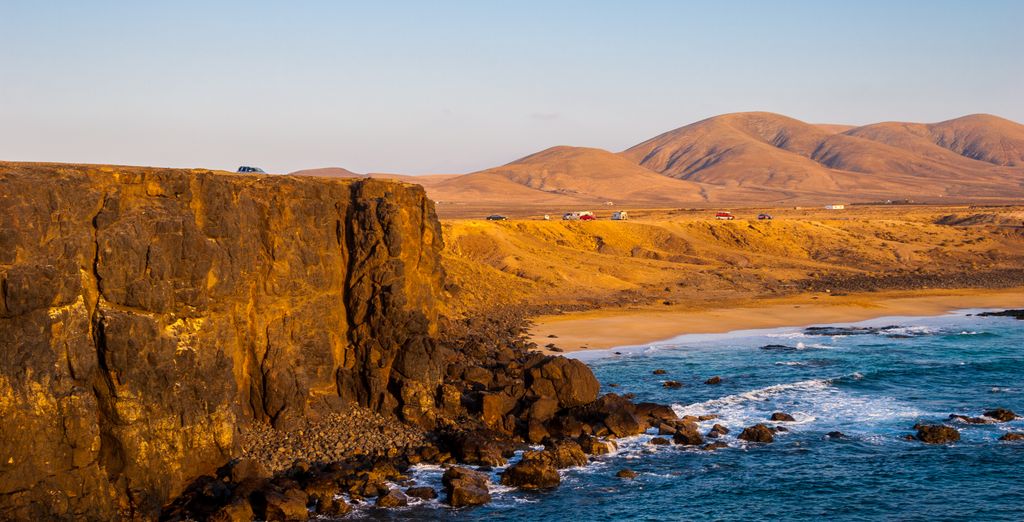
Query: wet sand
point(609, 328)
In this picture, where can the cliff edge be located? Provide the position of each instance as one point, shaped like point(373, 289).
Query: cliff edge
point(147, 315)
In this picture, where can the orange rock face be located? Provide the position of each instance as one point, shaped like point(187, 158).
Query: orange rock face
point(147, 315)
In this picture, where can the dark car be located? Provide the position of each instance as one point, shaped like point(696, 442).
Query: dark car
point(255, 170)
point(764, 216)
point(496, 217)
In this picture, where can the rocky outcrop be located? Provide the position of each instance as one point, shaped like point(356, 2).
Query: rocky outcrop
point(936, 434)
point(147, 314)
point(757, 433)
point(466, 487)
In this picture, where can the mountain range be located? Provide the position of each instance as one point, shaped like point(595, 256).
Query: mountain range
point(755, 158)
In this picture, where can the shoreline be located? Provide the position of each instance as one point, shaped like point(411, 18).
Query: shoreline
point(605, 329)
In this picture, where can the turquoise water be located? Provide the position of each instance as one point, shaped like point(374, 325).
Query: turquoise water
point(872, 386)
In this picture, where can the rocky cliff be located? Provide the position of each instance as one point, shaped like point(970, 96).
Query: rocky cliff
point(146, 315)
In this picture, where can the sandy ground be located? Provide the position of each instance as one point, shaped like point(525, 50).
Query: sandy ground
point(609, 328)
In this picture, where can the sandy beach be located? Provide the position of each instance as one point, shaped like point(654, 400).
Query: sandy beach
point(609, 328)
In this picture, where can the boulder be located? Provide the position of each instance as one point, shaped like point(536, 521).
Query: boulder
point(655, 412)
point(1001, 414)
point(626, 473)
point(536, 470)
point(757, 433)
point(571, 381)
point(717, 431)
point(392, 499)
point(465, 487)
point(782, 417)
point(592, 446)
point(494, 408)
point(714, 446)
point(659, 441)
point(566, 454)
point(835, 435)
point(480, 447)
point(543, 409)
point(936, 434)
point(423, 492)
point(714, 380)
point(688, 435)
point(672, 384)
point(623, 423)
point(1014, 436)
point(287, 506)
point(659, 371)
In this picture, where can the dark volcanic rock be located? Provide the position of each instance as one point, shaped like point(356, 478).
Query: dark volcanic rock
point(659, 441)
point(936, 434)
point(1016, 314)
point(835, 435)
point(1016, 436)
point(659, 371)
point(1001, 414)
point(166, 308)
point(626, 473)
point(672, 384)
point(465, 487)
point(782, 417)
point(757, 433)
point(714, 380)
point(717, 445)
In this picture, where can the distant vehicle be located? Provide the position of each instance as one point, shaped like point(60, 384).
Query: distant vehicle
point(587, 217)
point(255, 170)
point(578, 215)
point(496, 217)
point(835, 207)
point(764, 216)
point(621, 215)
point(724, 215)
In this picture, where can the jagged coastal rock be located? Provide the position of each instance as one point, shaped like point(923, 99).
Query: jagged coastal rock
point(147, 315)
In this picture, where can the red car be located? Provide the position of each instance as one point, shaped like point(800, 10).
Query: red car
point(587, 217)
point(724, 215)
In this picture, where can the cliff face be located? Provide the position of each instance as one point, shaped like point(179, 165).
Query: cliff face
point(146, 314)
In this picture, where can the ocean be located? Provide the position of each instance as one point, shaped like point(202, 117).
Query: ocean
point(871, 380)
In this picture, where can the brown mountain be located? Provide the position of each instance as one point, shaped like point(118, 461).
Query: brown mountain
point(568, 175)
point(771, 152)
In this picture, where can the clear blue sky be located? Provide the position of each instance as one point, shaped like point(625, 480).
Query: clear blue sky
point(431, 86)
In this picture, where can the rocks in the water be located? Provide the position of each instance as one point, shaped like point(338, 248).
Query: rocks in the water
point(659, 441)
point(687, 435)
point(593, 446)
point(1016, 314)
point(423, 492)
point(936, 433)
point(566, 454)
point(778, 347)
point(717, 445)
point(714, 380)
point(672, 384)
point(1001, 414)
point(757, 433)
point(626, 473)
point(970, 420)
point(535, 470)
point(717, 431)
point(782, 417)
point(659, 371)
point(835, 435)
point(392, 499)
point(465, 487)
point(480, 447)
point(1012, 437)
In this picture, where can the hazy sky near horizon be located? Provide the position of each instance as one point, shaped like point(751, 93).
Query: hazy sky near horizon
point(456, 86)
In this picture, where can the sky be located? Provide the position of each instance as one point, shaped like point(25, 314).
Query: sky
point(457, 86)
